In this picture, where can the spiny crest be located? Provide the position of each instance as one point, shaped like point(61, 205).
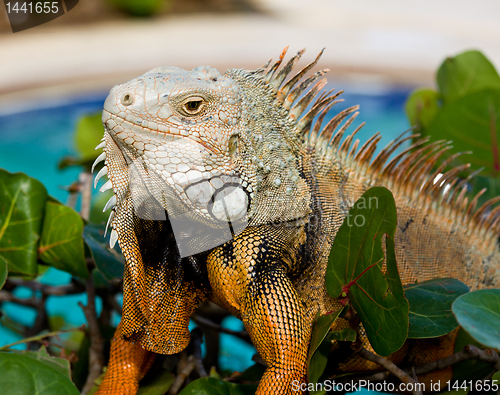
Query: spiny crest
point(419, 171)
point(288, 93)
point(111, 203)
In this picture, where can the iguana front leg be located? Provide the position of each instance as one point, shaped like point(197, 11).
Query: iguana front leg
point(160, 292)
point(128, 364)
point(248, 277)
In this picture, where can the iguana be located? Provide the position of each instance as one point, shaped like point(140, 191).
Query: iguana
point(224, 190)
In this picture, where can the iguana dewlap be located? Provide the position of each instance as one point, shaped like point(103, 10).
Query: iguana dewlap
point(224, 190)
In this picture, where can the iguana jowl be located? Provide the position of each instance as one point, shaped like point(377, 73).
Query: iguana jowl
point(234, 149)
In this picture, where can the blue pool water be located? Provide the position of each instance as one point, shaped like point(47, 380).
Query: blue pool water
point(32, 141)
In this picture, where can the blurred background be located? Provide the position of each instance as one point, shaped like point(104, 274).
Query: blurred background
point(99, 43)
point(375, 50)
point(53, 74)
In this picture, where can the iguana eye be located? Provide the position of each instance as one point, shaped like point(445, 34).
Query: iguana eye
point(193, 105)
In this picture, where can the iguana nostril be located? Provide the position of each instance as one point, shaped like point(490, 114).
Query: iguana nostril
point(127, 99)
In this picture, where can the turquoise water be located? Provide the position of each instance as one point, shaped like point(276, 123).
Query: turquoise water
point(33, 141)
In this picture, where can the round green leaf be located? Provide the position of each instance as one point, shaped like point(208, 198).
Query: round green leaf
point(356, 260)
point(213, 386)
point(108, 261)
point(478, 313)
point(473, 124)
point(22, 204)
point(24, 375)
point(430, 307)
point(3, 271)
point(61, 243)
point(466, 73)
point(89, 131)
point(60, 364)
point(422, 107)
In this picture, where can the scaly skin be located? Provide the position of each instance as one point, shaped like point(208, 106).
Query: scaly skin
point(223, 192)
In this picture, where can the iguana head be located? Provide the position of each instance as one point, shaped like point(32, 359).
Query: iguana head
point(208, 148)
point(178, 132)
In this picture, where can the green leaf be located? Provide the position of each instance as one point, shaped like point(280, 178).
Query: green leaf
point(321, 327)
point(356, 260)
point(422, 107)
point(97, 216)
point(471, 369)
point(473, 124)
point(61, 244)
point(89, 132)
point(253, 374)
point(25, 375)
point(212, 386)
point(478, 313)
point(4, 271)
point(60, 364)
point(496, 377)
point(492, 185)
point(430, 307)
point(22, 204)
point(158, 385)
point(466, 73)
point(347, 334)
point(318, 362)
point(108, 261)
point(318, 348)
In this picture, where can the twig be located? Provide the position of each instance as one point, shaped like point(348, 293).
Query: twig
point(469, 352)
point(96, 351)
point(40, 337)
point(86, 190)
point(196, 340)
point(41, 321)
point(13, 325)
point(184, 370)
point(8, 297)
point(204, 321)
point(391, 367)
point(108, 299)
point(73, 288)
point(73, 191)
